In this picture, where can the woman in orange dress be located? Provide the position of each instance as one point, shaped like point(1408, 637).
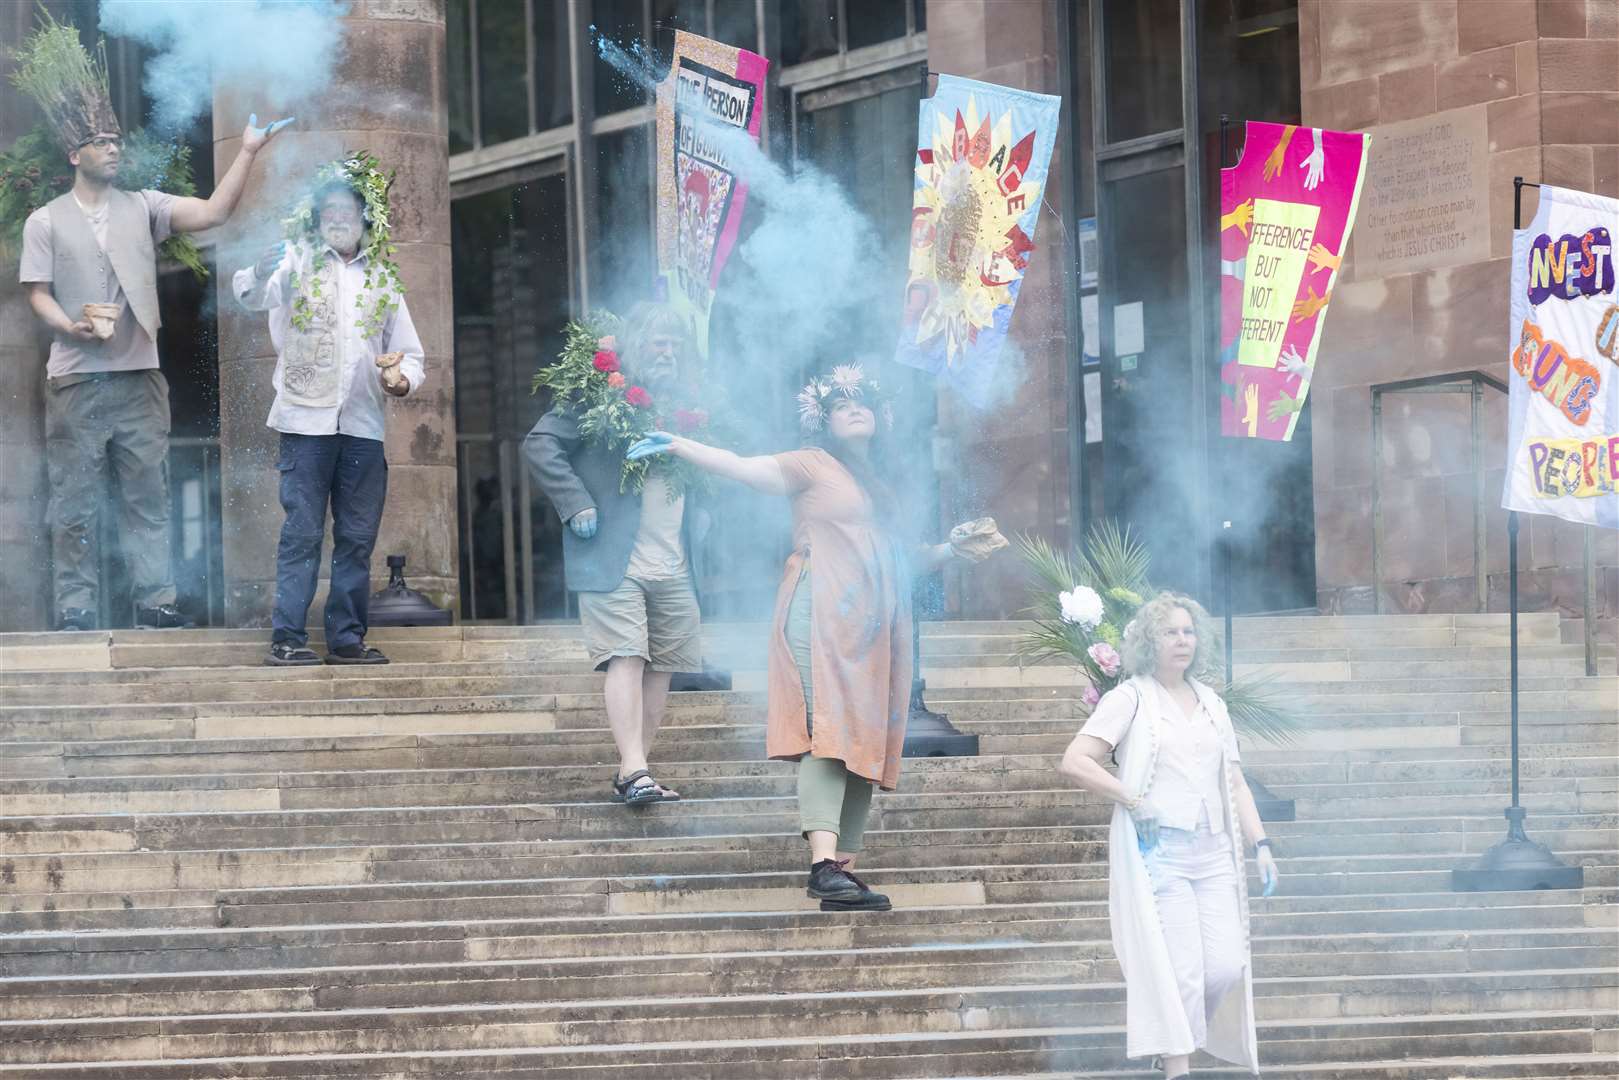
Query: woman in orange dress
point(840, 648)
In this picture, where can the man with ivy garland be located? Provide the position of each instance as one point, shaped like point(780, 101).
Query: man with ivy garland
point(627, 554)
point(344, 343)
point(106, 400)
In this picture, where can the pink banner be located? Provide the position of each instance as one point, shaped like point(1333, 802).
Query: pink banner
point(1286, 209)
point(711, 87)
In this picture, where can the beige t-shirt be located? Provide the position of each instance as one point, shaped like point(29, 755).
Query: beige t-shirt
point(660, 552)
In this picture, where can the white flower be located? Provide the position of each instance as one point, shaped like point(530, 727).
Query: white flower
point(1082, 607)
point(846, 379)
point(811, 414)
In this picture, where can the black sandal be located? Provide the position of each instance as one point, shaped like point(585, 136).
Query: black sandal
point(631, 792)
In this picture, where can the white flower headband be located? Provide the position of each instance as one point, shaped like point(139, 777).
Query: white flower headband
point(846, 381)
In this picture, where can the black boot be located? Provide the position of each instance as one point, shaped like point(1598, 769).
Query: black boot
point(162, 617)
point(839, 890)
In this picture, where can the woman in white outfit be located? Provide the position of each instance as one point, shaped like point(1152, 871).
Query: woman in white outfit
point(1177, 889)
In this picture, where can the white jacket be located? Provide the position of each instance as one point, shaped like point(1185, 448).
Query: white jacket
point(1155, 1019)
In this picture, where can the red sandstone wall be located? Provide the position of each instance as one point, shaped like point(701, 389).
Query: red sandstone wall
point(1545, 79)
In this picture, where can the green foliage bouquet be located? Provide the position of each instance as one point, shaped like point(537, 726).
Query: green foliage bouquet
point(587, 380)
point(362, 172)
point(1081, 602)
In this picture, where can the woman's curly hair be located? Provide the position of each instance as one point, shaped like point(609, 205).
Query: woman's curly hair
point(1140, 648)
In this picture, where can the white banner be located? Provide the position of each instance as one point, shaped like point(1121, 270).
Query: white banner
point(1563, 427)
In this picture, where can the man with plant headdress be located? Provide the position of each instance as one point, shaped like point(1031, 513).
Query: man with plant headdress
point(345, 342)
point(89, 264)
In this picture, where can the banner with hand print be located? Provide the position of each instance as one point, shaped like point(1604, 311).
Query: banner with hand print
point(981, 161)
point(1286, 209)
point(712, 88)
point(1563, 417)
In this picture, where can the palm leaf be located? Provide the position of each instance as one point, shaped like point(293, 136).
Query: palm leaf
point(1257, 710)
point(1116, 559)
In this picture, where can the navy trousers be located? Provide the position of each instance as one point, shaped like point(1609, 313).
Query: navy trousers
point(352, 475)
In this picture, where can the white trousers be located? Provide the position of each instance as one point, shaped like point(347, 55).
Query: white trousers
point(1196, 886)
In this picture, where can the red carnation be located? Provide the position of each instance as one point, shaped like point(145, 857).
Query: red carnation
point(690, 419)
point(638, 397)
point(606, 361)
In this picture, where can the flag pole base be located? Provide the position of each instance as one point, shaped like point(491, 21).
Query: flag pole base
point(1517, 863)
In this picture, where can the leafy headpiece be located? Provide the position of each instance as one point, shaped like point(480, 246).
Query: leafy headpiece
point(362, 173)
point(69, 84)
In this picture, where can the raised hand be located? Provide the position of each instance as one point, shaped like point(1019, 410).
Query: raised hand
point(1241, 217)
point(269, 260)
point(1314, 166)
point(1307, 308)
point(1293, 363)
point(253, 136)
point(583, 523)
point(1273, 164)
point(1250, 409)
point(1323, 259)
point(658, 442)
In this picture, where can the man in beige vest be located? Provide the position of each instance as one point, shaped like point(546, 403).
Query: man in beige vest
point(93, 252)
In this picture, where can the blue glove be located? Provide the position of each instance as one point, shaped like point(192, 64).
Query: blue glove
point(274, 126)
point(656, 443)
point(1267, 870)
point(583, 523)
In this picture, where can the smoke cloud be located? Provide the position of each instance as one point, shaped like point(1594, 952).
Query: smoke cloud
point(275, 52)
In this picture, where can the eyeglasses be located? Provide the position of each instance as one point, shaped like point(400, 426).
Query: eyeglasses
point(103, 142)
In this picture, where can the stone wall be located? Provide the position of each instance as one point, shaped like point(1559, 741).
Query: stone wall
point(1522, 88)
point(388, 98)
point(1013, 460)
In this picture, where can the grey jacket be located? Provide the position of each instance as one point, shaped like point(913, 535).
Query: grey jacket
point(577, 475)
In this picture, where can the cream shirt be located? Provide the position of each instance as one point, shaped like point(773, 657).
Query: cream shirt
point(1187, 785)
point(660, 551)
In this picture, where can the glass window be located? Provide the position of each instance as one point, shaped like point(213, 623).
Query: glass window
point(920, 7)
point(622, 260)
point(621, 22)
point(511, 271)
point(1146, 383)
point(553, 106)
point(874, 21)
point(502, 71)
point(736, 23)
point(1142, 42)
point(458, 41)
point(809, 30)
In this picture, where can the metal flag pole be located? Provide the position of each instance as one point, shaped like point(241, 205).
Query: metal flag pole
point(1516, 862)
point(1271, 807)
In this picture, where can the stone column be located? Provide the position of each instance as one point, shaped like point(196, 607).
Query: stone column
point(25, 569)
point(387, 97)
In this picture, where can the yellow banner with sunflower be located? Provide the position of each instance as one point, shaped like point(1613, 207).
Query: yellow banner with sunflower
point(982, 155)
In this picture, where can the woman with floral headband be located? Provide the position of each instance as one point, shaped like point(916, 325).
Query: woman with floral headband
point(840, 650)
point(1177, 890)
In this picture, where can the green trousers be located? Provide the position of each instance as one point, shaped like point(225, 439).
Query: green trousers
point(830, 798)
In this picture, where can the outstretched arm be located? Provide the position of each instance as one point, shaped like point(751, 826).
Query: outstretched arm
point(759, 473)
point(191, 214)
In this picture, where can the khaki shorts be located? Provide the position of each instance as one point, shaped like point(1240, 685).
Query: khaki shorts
point(655, 620)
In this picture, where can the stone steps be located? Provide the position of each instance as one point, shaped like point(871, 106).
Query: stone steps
point(413, 871)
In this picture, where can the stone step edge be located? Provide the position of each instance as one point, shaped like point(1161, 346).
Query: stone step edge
point(623, 1050)
point(1058, 910)
point(687, 1002)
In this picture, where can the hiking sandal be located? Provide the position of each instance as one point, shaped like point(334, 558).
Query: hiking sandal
point(639, 789)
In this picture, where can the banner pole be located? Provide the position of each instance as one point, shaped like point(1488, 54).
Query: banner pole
point(1225, 525)
point(1516, 862)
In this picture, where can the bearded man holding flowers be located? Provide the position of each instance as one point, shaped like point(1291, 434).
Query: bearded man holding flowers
point(630, 532)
